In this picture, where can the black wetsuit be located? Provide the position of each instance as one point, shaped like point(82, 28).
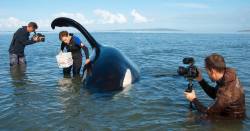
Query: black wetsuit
point(17, 46)
point(228, 94)
point(75, 48)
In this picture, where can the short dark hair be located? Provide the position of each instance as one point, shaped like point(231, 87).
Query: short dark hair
point(62, 34)
point(33, 25)
point(216, 62)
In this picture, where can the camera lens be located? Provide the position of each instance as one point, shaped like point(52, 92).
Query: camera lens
point(42, 39)
point(182, 71)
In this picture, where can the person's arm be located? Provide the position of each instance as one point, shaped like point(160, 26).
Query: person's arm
point(210, 91)
point(84, 48)
point(191, 96)
point(86, 51)
point(219, 105)
point(199, 106)
point(62, 46)
point(22, 38)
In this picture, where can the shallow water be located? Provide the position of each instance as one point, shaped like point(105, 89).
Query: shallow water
point(40, 98)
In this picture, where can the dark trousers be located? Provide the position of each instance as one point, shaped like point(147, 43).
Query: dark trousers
point(17, 60)
point(77, 64)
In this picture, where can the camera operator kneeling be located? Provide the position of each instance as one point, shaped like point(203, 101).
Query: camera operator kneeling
point(228, 94)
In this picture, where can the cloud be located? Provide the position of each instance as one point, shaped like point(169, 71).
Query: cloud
point(103, 17)
point(138, 18)
point(192, 5)
point(110, 18)
point(43, 23)
point(76, 16)
point(11, 22)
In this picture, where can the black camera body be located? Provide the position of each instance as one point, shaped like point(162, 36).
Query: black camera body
point(190, 72)
point(40, 36)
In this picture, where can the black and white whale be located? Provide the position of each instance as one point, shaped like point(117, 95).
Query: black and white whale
point(110, 69)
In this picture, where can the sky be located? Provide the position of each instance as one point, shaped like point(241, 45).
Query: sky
point(100, 15)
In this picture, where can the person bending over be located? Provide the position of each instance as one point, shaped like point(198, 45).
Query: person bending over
point(19, 41)
point(74, 45)
point(228, 95)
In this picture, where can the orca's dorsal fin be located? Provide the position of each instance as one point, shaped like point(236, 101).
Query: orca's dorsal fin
point(67, 22)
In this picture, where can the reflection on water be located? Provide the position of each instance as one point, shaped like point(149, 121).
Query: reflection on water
point(18, 75)
point(38, 97)
point(70, 84)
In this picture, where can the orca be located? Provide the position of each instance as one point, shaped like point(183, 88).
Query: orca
point(110, 69)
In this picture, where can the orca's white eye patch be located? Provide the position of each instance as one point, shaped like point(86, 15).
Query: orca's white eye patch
point(127, 78)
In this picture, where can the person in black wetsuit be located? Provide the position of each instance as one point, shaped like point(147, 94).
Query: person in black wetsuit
point(228, 94)
point(74, 45)
point(19, 41)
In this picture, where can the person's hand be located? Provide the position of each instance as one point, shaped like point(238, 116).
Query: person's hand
point(87, 61)
point(199, 77)
point(190, 95)
point(36, 38)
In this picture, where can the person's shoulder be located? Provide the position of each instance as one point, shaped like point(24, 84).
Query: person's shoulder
point(77, 39)
point(230, 74)
point(231, 69)
point(21, 30)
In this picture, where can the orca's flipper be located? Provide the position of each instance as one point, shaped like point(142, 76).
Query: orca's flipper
point(88, 67)
point(87, 70)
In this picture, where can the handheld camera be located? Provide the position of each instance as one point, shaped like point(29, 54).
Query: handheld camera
point(190, 72)
point(40, 36)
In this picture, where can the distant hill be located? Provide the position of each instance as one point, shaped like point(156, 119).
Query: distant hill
point(149, 29)
point(244, 30)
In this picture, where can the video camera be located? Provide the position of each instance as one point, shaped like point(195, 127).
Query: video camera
point(190, 72)
point(40, 36)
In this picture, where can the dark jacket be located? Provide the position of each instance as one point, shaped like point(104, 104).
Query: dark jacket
point(19, 41)
point(228, 94)
point(75, 48)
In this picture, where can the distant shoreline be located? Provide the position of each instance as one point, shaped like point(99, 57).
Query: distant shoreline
point(142, 31)
point(127, 30)
point(244, 31)
point(148, 30)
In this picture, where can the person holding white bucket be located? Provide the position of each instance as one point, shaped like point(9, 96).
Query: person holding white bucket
point(74, 45)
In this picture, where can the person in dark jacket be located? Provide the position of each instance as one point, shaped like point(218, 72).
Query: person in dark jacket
point(74, 45)
point(19, 41)
point(228, 94)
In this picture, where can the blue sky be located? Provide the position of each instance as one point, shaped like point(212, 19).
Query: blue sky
point(188, 15)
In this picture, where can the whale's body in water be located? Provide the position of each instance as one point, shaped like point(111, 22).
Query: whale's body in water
point(109, 69)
